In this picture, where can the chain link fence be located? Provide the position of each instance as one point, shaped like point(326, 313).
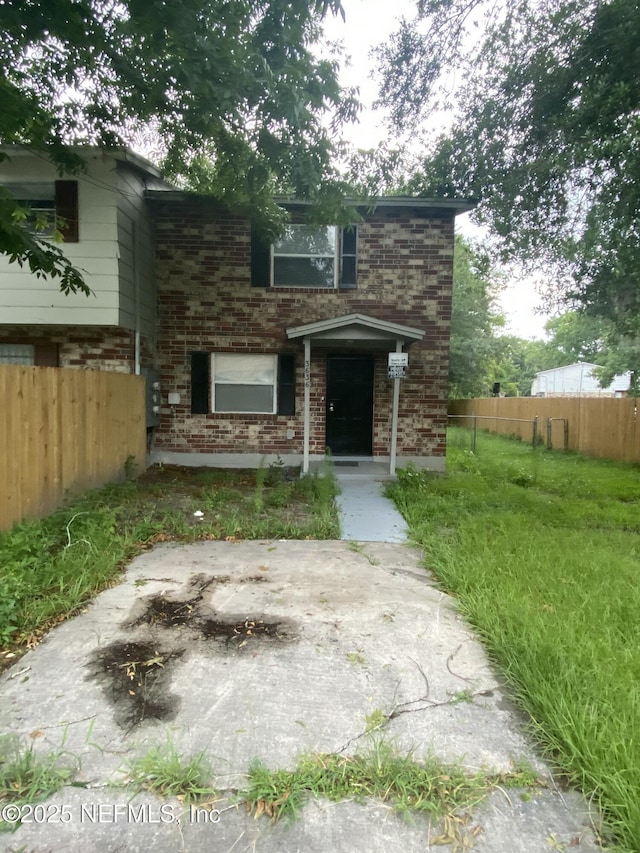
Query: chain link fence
point(533, 433)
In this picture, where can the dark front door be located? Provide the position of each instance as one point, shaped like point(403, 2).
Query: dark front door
point(350, 405)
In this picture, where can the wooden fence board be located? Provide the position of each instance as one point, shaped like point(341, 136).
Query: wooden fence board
point(63, 431)
point(598, 426)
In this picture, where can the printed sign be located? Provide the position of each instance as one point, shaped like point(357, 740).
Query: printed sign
point(398, 359)
point(397, 371)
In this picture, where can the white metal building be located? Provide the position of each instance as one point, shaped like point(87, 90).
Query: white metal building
point(577, 380)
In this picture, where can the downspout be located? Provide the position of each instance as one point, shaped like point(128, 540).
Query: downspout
point(136, 366)
point(394, 420)
point(136, 301)
point(307, 404)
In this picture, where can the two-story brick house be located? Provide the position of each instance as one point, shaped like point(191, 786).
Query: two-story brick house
point(284, 349)
point(263, 351)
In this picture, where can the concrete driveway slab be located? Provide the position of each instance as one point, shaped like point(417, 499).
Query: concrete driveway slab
point(267, 650)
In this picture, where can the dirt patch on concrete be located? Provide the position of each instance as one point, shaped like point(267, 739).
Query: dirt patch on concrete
point(240, 633)
point(171, 611)
point(136, 675)
point(136, 678)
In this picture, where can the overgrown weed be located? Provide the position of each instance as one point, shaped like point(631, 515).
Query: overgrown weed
point(378, 771)
point(26, 777)
point(50, 567)
point(541, 551)
point(164, 772)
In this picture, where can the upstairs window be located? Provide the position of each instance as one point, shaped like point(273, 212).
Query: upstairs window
point(306, 257)
point(52, 206)
point(39, 200)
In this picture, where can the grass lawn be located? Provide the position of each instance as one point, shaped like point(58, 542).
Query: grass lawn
point(50, 567)
point(542, 552)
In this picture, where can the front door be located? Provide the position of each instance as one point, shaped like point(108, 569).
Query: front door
point(350, 405)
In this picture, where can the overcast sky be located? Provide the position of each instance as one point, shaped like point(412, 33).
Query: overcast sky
point(368, 22)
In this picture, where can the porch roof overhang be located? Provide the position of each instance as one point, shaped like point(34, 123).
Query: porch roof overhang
point(356, 330)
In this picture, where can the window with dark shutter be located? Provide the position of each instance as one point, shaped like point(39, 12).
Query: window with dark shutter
point(286, 384)
point(306, 257)
point(244, 382)
point(67, 210)
point(200, 383)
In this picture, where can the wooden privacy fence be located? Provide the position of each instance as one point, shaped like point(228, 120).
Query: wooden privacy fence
point(598, 426)
point(64, 431)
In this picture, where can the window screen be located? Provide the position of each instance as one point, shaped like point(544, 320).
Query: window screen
point(305, 257)
point(243, 383)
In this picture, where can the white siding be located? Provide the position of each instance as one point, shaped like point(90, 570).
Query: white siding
point(136, 260)
point(27, 299)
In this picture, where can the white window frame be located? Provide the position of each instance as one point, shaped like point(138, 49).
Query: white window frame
point(336, 259)
point(268, 358)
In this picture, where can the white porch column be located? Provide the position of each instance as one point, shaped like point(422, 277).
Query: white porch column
point(394, 419)
point(307, 404)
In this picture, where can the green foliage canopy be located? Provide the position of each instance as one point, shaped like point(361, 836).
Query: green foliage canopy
point(475, 320)
point(547, 131)
point(232, 90)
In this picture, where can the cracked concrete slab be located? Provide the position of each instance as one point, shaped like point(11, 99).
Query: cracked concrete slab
point(266, 650)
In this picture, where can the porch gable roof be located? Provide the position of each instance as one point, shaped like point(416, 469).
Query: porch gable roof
point(356, 328)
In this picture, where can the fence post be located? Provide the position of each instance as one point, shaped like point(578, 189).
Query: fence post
point(475, 433)
point(535, 432)
point(549, 447)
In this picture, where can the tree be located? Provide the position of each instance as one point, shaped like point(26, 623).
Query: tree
point(232, 89)
point(515, 363)
point(575, 336)
point(474, 322)
point(546, 133)
point(615, 360)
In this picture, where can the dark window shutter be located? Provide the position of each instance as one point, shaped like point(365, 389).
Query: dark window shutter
point(200, 383)
point(67, 209)
point(45, 355)
point(260, 261)
point(286, 384)
point(348, 258)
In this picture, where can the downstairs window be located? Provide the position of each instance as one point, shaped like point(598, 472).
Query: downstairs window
point(242, 383)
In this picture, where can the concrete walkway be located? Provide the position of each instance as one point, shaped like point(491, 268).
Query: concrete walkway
point(246, 651)
point(365, 514)
point(266, 650)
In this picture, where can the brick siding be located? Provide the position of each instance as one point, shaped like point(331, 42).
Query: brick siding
point(206, 303)
point(85, 347)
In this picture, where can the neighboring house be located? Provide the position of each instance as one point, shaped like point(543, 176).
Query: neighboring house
point(108, 233)
point(263, 351)
point(577, 380)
